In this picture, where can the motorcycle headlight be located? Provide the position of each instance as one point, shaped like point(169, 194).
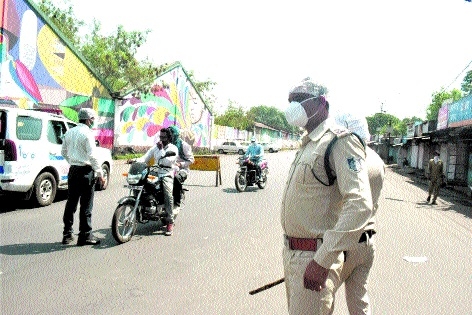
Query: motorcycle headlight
point(133, 179)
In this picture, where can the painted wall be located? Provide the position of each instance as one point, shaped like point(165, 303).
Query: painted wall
point(39, 70)
point(172, 100)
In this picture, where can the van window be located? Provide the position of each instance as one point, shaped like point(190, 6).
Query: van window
point(56, 131)
point(28, 128)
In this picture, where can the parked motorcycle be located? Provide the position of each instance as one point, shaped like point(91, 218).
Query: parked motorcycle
point(144, 203)
point(246, 175)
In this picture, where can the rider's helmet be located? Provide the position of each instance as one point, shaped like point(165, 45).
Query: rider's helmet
point(253, 139)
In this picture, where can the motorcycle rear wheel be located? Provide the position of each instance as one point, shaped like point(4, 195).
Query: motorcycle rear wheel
point(240, 182)
point(124, 223)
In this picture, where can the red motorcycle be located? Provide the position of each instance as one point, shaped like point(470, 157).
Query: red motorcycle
point(246, 175)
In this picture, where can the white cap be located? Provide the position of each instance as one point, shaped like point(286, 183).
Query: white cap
point(354, 123)
point(253, 139)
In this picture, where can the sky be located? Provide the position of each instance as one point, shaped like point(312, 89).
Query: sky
point(372, 55)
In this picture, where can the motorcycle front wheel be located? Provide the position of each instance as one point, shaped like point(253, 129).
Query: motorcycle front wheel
point(124, 224)
point(262, 183)
point(240, 181)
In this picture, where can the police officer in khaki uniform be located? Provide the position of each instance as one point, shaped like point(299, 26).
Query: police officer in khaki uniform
point(320, 222)
point(359, 259)
point(435, 171)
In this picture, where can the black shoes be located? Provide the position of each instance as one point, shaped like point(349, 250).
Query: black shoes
point(428, 199)
point(88, 241)
point(67, 239)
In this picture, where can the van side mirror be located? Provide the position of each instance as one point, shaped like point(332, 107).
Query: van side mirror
point(170, 153)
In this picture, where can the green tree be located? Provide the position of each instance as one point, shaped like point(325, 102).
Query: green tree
point(438, 98)
point(272, 117)
point(63, 19)
point(379, 124)
point(403, 125)
point(112, 57)
point(234, 117)
point(466, 85)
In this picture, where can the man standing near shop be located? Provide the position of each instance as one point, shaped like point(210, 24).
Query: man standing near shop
point(435, 174)
point(320, 218)
point(79, 150)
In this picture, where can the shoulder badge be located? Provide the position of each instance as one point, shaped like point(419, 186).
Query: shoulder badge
point(355, 164)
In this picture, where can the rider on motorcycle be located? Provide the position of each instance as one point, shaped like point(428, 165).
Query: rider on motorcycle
point(184, 159)
point(255, 152)
point(166, 172)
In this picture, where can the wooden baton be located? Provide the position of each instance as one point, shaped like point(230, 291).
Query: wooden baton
point(267, 286)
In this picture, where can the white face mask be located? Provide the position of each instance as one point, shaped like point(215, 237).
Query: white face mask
point(436, 159)
point(296, 114)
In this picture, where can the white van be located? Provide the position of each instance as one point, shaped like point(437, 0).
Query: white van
point(31, 164)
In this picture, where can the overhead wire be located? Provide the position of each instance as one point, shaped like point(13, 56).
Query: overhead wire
point(470, 62)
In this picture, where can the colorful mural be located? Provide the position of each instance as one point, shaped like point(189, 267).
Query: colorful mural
point(172, 100)
point(39, 70)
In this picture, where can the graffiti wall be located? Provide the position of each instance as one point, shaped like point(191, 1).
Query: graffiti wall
point(39, 70)
point(172, 100)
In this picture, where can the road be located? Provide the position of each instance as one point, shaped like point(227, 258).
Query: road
point(224, 245)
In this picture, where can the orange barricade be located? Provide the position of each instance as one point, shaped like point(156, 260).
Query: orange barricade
point(208, 163)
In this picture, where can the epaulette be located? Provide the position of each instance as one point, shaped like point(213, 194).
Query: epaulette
point(340, 132)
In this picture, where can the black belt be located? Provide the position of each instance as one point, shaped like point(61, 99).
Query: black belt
point(365, 234)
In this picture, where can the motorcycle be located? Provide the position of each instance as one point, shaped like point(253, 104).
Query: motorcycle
point(246, 175)
point(144, 203)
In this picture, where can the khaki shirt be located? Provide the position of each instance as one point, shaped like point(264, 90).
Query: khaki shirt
point(435, 170)
point(336, 213)
point(376, 171)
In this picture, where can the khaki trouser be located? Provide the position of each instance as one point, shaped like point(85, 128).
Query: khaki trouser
point(304, 301)
point(434, 187)
point(355, 273)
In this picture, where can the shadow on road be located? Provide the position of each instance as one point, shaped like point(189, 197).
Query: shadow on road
point(448, 199)
point(13, 202)
point(31, 248)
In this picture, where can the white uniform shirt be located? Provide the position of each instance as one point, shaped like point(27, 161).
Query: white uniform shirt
point(79, 148)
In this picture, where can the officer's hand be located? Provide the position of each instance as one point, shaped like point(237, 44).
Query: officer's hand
point(315, 276)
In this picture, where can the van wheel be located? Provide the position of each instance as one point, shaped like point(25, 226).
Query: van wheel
point(44, 189)
point(106, 176)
